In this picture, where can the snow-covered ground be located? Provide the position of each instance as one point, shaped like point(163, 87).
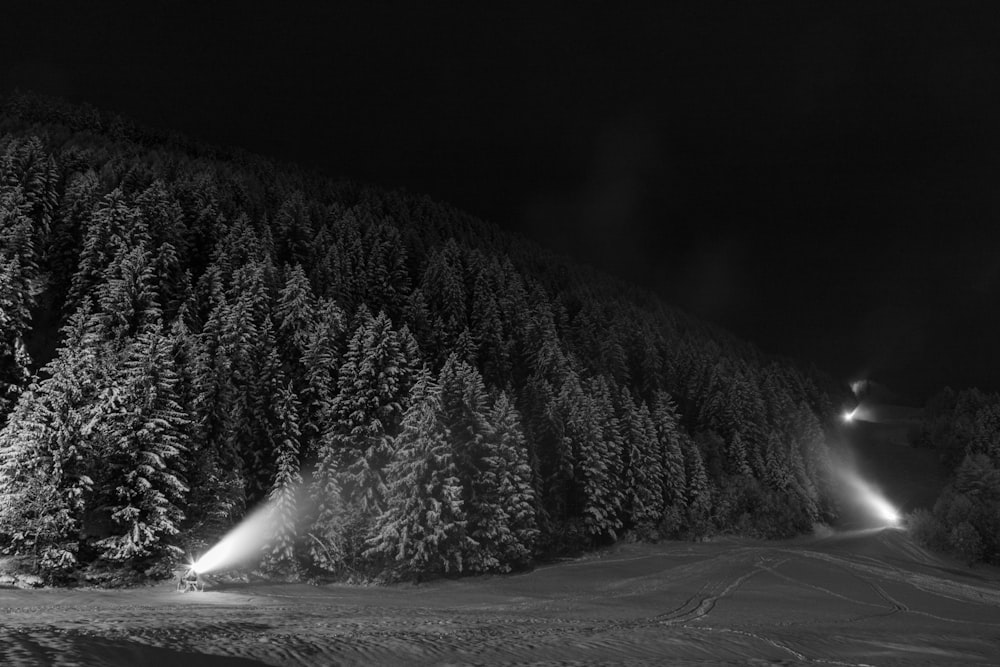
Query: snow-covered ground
point(864, 598)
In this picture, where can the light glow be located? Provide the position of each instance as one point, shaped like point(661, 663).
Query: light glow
point(240, 544)
point(877, 505)
point(849, 415)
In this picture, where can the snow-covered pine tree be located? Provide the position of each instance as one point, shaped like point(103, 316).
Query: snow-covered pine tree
point(666, 420)
point(778, 475)
point(14, 359)
point(46, 460)
point(168, 246)
point(82, 192)
point(141, 442)
point(26, 165)
point(488, 327)
point(347, 484)
point(218, 475)
point(372, 385)
point(387, 281)
point(699, 489)
point(600, 472)
point(422, 530)
point(293, 228)
point(294, 313)
point(114, 227)
point(643, 479)
point(584, 494)
point(462, 399)
point(321, 360)
point(492, 470)
point(515, 494)
point(280, 551)
point(18, 290)
point(443, 286)
point(127, 296)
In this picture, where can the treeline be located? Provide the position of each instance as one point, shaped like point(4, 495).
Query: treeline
point(964, 428)
point(187, 332)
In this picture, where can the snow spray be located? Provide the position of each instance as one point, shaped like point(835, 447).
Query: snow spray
point(863, 494)
point(240, 544)
point(244, 542)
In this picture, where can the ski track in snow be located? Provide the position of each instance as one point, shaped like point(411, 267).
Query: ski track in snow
point(710, 603)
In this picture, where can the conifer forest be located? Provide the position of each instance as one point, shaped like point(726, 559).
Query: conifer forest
point(188, 331)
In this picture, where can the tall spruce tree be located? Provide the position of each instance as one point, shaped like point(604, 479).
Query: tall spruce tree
point(141, 441)
point(643, 478)
point(46, 453)
point(514, 495)
point(356, 443)
point(19, 287)
point(284, 494)
point(493, 473)
point(422, 530)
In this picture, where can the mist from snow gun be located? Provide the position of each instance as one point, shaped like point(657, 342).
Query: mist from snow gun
point(877, 506)
point(862, 412)
point(240, 544)
point(245, 542)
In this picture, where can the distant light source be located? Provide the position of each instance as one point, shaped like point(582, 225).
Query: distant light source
point(849, 415)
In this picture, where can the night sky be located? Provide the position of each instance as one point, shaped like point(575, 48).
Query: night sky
point(821, 179)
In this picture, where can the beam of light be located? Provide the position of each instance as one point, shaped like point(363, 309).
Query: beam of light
point(877, 506)
point(864, 411)
point(240, 544)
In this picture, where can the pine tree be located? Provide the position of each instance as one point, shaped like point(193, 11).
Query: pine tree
point(488, 329)
point(218, 463)
point(699, 491)
point(372, 385)
point(283, 496)
point(643, 479)
point(14, 359)
point(494, 484)
point(668, 436)
point(321, 360)
point(27, 166)
point(115, 228)
point(46, 457)
point(422, 530)
point(295, 312)
point(19, 287)
point(515, 495)
point(82, 192)
point(127, 295)
point(444, 288)
point(141, 444)
point(293, 228)
point(356, 443)
point(387, 280)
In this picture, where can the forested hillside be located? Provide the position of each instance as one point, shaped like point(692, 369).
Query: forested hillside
point(188, 331)
point(964, 429)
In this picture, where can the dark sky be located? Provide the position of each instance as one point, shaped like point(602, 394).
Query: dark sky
point(822, 179)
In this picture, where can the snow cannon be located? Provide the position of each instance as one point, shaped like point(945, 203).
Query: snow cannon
point(189, 579)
